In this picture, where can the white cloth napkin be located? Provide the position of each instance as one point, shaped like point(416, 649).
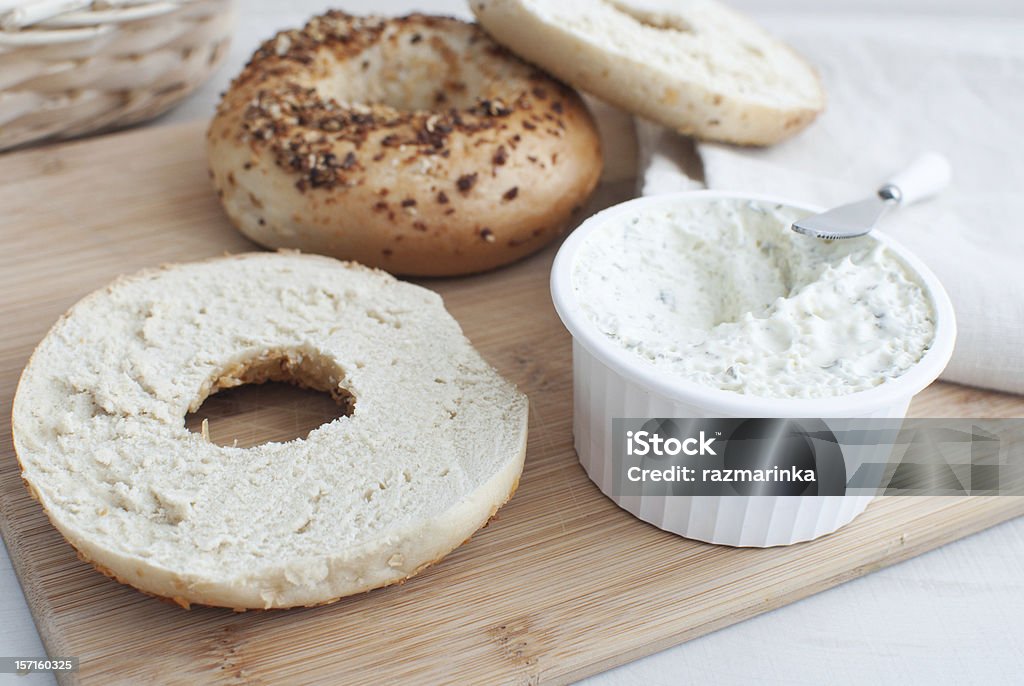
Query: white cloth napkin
point(892, 94)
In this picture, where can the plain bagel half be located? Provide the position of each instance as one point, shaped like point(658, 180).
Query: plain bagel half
point(431, 447)
point(414, 144)
point(695, 66)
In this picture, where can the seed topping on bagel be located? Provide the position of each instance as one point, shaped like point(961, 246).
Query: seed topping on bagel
point(415, 144)
point(299, 124)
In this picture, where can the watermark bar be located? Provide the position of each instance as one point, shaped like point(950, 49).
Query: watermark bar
point(692, 457)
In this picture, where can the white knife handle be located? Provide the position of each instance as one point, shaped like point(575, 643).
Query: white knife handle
point(925, 177)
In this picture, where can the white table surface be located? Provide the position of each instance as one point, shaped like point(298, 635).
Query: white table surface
point(954, 615)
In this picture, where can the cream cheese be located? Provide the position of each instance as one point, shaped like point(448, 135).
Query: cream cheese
point(721, 292)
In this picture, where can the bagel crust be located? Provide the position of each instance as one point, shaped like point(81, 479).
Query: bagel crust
point(431, 445)
point(413, 144)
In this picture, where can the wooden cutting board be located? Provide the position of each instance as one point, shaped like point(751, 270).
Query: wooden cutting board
point(561, 585)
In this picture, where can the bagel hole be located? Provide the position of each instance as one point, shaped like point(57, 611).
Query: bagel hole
point(276, 397)
point(434, 73)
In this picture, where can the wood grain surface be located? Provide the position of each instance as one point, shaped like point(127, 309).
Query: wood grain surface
point(562, 584)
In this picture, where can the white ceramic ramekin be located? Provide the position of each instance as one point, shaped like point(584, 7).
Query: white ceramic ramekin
point(610, 382)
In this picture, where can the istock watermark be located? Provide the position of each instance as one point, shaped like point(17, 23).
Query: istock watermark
point(646, 443)
point(679, 456)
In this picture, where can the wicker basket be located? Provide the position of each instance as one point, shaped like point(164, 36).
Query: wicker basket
point(70, 67)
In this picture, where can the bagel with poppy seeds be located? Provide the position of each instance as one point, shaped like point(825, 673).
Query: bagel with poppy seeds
point(414, 144)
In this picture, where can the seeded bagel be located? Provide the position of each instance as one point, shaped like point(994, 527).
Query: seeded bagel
point(413, 144)
point(431, 447)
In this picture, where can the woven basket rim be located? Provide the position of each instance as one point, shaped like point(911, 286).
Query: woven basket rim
point(50, 18)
